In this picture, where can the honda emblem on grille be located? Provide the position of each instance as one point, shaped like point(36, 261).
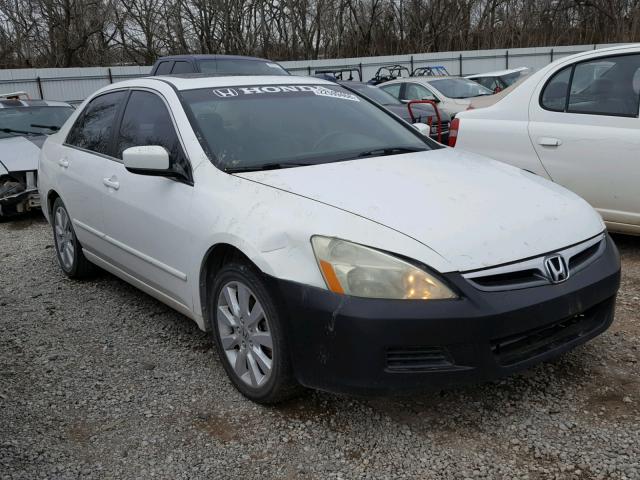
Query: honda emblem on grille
point(556, 267)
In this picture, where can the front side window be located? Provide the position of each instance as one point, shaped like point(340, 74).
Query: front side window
point(182, 67)
point(146, 121)
point(254, 127)
point(417, 92)
point(164, 68)
point(32, 120)
point(459, 88)
point(94, 127)
point(393, 89)
point(604, 86)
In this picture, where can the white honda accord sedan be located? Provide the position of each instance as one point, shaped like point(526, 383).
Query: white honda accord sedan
point(323, 241)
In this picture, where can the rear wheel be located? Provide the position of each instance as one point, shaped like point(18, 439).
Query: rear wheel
point(68, 249)
point(248, 331)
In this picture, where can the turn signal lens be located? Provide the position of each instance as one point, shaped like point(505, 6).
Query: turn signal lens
point(352, 269)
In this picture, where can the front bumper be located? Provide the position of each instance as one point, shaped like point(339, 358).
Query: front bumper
point(368, 346)
point(18, 193)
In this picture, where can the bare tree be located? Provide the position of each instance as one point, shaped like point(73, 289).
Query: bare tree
point(97, 32)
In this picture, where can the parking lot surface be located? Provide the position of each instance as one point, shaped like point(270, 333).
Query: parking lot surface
point(99, 380)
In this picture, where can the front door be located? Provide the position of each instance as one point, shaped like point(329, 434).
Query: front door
point(147, 217)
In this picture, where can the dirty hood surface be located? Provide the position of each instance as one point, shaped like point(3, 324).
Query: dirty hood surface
point(18, 154)
point(473, 211)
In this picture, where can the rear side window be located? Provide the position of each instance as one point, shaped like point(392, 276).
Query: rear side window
point(164, 68)
point(182, 67)
point(603, 86)
point(147, 121)
point(554, 95)
point(94, 127)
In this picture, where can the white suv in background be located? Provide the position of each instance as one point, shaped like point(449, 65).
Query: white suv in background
point(574, 122)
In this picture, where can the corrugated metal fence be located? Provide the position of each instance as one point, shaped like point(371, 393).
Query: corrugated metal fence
point(74, 84)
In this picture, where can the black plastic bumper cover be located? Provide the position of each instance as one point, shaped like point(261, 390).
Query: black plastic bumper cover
point(368, 346)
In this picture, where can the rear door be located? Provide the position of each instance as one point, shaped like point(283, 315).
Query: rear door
point(585, 128)
point(147, 217)
point(82, 161)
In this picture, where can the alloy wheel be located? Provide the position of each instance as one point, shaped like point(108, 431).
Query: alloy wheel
point(64, 238)
point(245, 335)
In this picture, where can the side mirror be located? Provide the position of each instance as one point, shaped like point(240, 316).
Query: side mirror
point(147, 160)
point(433, 99)
point(423, 128)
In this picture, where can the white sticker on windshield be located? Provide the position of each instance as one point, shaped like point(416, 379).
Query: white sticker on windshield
point(273, 65)
point(327, 92)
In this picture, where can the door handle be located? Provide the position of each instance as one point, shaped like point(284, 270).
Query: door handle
point(111, 183)
point(63, 162)
point(549, 141)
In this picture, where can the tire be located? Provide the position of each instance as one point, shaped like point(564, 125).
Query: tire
point(68, 249)
point(245, 350)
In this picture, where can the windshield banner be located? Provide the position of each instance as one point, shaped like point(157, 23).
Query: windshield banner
point(319, 90)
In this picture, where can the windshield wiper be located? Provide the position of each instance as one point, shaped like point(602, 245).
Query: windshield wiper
point(380, 152)
point(55, 128)
point(20, 132)
point(265, 166)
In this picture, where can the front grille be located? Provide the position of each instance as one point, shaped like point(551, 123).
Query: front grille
point(523, 346)
point(532, 272)
point(579, 260)
point(417, 358)
point(505, 280)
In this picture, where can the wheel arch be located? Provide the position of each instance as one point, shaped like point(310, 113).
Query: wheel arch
point(215, 257)
point(52, 195)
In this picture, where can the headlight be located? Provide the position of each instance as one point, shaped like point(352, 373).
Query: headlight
point(353, 269)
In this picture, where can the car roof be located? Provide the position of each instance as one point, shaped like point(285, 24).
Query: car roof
point(497, 73)
point(6, 103)
point(191, 82)
point(211, 57)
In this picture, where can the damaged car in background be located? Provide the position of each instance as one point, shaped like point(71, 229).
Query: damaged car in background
point(24, 126)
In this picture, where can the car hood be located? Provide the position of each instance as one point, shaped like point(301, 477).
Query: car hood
point(19, 154)
point(472, 211)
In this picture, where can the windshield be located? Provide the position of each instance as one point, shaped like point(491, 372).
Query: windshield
point(32, 120)
point(240, 67)
point(459, 88)
point(377, 95)
point(273, 126)
point(510, 78)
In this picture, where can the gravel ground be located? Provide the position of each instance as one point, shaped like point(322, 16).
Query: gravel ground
point(98, 380)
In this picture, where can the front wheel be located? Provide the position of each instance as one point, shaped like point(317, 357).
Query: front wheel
point(68, 249)
point(249, 333)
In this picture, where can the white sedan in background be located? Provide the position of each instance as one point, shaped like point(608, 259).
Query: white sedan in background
point(574, 122)
point(341, 250)
point(452, 94)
